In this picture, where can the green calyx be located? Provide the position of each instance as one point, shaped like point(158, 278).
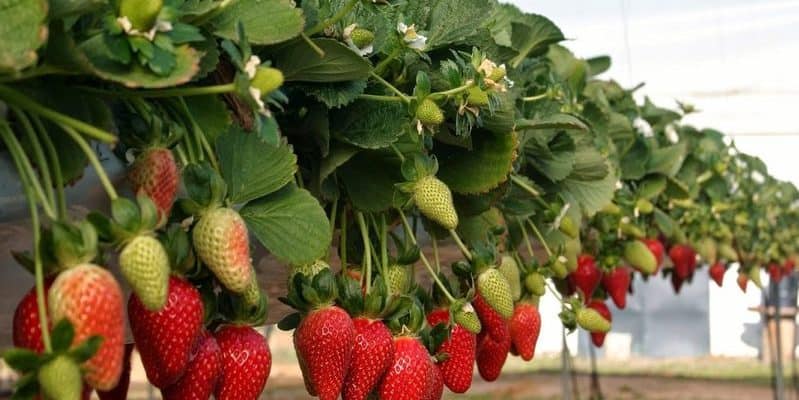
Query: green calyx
point(267, 80)
point(476, 97)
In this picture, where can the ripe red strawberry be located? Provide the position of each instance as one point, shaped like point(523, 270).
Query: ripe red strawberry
point(716, 272)
point(598, 338)
point(202, 373)
point(491, 354)
point(616, 284)
point(246, 362)
point(90, 298)
point(491, 321)
point(587, 276)
point(222, 242)
point(676, 283)
point(371, 356)
point(27, 331)
point(775, 272)
point(120, 391)
point(156, 174)
point(408, 374)
point(460, 348)
point(788, 267)
point(656, 247)
point(524, 328)
point(684, 259)
point(435, 383)
point(324, 341)
point(743, 281)
point(166, 338)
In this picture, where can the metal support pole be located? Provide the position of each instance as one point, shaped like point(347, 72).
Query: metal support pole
point(779, 384)
point(596, 391)
point(565, 391)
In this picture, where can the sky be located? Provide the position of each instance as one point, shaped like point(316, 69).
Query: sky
point(737, 61)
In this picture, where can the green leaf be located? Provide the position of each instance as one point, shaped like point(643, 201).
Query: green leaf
point(334, 94)
point(554, 121)
point(553, 156)
point(299, 62)
point(667, 160)
point(598, 65)
point(370, 124)
point(633, 164)
point(184, 33)
point(62, 335)
point(251, 167)
point(480, 169)
point(532, 34)
point(452, 21)
point(64, 8)
point(186, 66)
point(210, 113)
point(20, 359)
point(502, 120)
point(265, 21)
point(339, 154)
point(664, 222)
point(291, 224)
point(583, 188)
point(87, 349)
point(369, 179)
point(22, 31)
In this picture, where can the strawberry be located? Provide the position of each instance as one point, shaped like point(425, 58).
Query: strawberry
point(466, 317)
point(372, 354)
point(165, 339)
point(524, 327)
point(399, 278)
point(492, 354)
point(491, 321)
point(145, 265)
point(535, 284)
point(496, 291)
point(434, 389)
point(155, 173)
point(716, 272)
point(684, 259)
point(788, 267)
point(60, 379)
point(362, 38)
point(639, 256)
point(598, 337)
point(775, 272)
point(590, 318)
point(246, 362)
point(407, 376)
point(90, 298)
point(616, 284)
point(267, 80)
point(310, 270)
point(743, 281)
point(141, 14)
point(27, 331)
point(434, 200)
point(476, 97)
point(457, 369)
point(324, 341)
point(656, 247)
point(428, 113)
point(676, 283)
point(587, 276)
point(221, 241)
point(120, 391)
point(202, 373)
point(510, 270)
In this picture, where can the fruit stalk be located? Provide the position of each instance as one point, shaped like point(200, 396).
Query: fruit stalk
point(460, 244)
point(540, 238)
point(26, 172)
point(58, 177)
point(92, 157)
point(322, 25)
point(367, 250)
point(426, 263)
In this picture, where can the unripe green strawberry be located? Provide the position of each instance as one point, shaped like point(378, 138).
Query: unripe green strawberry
point(221, 241)
point(399, 278)
point(434, 200)
point(252, 296)
point(362, 38)
point(708, 250)
point(267, 80)
point(309, 270)
point(644, 206)
point(498, 73)
point(510, 270)
point(145, 265)
point(60, 379)
point(590, 320)
point(428, 113)
point(640, 257)
point(535, 284)
point(467, 318)
point(141, 13)
point(568, 227)
point(477, 97)
point(727, 252)
point(559, 269)
point(496, 291)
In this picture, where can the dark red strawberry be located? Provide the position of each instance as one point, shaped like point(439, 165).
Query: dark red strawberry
point(775, 272)
point(598, 338)
point(716, 272)
point(324, 341)
point(372, 354)
point(26, 328)
point(524, 327)
point(202, 373)
point(684, 259)
point(491, 354)
point(656, 247)
point(120, 392)
point(166, 338)
point(460, 349)
point(407, 376)
point(435, 383)
point(616, 284)
point(676, 283)
point(246, 363)
point(491, 321)
point(587, 276)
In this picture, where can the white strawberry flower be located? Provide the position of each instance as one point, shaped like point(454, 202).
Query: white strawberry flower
point(127, 27)
point(642, 126)
point(348, 39)
point(411, 37)
point(251, 67)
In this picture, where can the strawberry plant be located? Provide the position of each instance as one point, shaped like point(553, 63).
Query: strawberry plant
point(329, 134)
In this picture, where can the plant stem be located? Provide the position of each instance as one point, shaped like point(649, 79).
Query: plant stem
point(55, 165)
point(435, 252)
point(318, 50)
point(450, 92)
point(383, 240)
point(367, 246)
point(426, 263)
point(384, 63)
point(181, 154)
point(34, 72)
point(199, 134)
point(342, 242)
point(540, 238)
point(15, 148)
point(98, 167)
point(522, 184)
point(391, 87)
point(527, 240)
point(160, 93)
point(333, 215)
point(322, 25)
point(407, 227)
point(377, 97)
point(38, 154)
point(554, 292)
point(459, 242)
point(536, 97)
point(18, 99)
point(397, 152)
point(9, 139)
